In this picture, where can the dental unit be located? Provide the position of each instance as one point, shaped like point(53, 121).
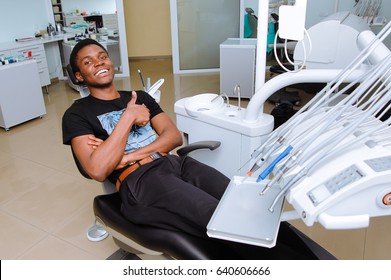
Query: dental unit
point(331, 161)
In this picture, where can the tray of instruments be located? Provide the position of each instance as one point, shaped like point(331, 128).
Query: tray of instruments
point(243, 215)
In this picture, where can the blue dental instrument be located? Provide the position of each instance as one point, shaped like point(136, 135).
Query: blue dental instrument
point(270, 168)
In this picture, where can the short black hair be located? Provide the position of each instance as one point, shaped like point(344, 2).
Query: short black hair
point(81, 44)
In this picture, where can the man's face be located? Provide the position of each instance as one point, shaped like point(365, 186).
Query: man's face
point(96, 68)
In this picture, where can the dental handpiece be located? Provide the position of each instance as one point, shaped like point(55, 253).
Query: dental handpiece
point(288, 165)
point(253, 155)
point(300, 175)
point(263, 158)
point(271, 166)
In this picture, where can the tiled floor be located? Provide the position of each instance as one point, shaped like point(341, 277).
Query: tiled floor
point(46, 205)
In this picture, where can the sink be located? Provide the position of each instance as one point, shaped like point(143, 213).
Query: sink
point(203, 103)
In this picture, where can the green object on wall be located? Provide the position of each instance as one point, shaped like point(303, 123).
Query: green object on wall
point(248, 31)
point(270, 36)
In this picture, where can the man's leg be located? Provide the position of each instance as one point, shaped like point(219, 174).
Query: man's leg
point(157, 196)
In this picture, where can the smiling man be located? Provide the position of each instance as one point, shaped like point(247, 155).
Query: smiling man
point(126, 137)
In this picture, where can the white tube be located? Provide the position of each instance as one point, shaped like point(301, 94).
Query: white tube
point(262, 29)
point(286, 79)
point(381, 51)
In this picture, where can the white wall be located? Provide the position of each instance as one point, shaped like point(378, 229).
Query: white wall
point(21, 18)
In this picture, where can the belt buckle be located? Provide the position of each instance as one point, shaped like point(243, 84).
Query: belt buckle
point(155, 156)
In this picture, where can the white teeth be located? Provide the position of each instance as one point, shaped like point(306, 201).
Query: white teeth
point(101, 71)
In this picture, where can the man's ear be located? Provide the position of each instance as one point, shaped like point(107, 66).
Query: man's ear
point(79, 77)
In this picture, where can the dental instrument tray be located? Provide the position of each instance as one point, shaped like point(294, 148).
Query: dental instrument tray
point(242, 214)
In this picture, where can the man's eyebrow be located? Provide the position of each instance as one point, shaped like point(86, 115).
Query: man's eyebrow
point(99, 53)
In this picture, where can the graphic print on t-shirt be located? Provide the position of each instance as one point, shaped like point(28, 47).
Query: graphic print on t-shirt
point(139, 136)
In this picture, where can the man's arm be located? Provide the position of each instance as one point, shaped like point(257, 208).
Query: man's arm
point(169, 138)
point(99, 162)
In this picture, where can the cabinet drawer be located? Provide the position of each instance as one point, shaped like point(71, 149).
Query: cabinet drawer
point(5, 53)
point(36, 50)
point(37, 53)
point(73, 19)
point(110, 21)
point(44, 76)
point(41, 62)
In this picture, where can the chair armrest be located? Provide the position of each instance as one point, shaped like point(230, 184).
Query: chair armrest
point(211, 145)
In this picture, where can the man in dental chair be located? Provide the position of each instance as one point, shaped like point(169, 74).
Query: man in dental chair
point(126, 137)
point(157, 188)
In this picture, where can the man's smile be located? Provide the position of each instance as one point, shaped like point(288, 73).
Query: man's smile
point(101, 72)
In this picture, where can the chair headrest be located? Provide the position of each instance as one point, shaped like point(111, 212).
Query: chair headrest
point(72, 76)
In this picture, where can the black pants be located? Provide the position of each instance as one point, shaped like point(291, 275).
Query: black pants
point(173, 193)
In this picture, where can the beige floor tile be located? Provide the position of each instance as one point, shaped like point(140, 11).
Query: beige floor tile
point(53, 248)
point(56, 199)
point(75, 229)
point(17, 236)
point(19, 176)
point(378, 245)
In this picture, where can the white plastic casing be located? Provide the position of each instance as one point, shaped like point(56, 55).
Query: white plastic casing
point(292, 21)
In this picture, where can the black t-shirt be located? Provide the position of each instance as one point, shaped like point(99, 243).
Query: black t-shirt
point(91, 115)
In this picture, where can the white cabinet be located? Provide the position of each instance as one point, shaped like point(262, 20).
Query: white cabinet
point(38, 54)
point(237, 66)
point(21, 97)
point(110, 21)
point(57, 12)
point(73, 19)
point(4, 53)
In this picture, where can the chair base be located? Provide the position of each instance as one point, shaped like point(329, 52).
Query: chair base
point(97, 233)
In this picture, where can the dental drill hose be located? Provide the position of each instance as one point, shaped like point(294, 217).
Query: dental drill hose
point(263, 158)
point(291, 162)
point(270, 168)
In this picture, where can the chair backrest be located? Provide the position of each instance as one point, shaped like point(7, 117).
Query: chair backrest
point(75, 83)
point(72, 76)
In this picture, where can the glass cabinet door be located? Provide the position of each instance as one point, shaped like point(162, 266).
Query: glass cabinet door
point(198, 29)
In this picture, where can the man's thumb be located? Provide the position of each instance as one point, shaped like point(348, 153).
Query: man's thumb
point(134, 97)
